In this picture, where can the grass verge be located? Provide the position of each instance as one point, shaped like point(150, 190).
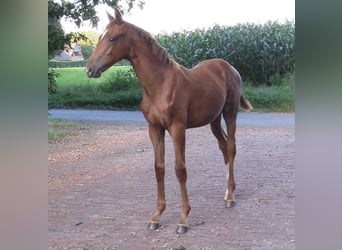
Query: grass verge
point(60, 129)
point(118, 88)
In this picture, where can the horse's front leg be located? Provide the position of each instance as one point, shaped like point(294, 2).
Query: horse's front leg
point(178, 136)
point(157, 136)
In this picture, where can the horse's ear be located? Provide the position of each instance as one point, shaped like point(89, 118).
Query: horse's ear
point(118, 16)
point(110, 17)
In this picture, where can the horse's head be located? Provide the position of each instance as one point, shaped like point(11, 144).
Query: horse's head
point(111, 48)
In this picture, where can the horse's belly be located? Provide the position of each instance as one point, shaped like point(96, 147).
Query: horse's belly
point(202, 113)
point(198, 120)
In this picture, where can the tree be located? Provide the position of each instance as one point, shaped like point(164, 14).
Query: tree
point(78, 11)
point(89, 44)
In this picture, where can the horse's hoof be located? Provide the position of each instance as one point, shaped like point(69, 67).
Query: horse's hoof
point(230, 203)
point(153, 225)
point(181, 229)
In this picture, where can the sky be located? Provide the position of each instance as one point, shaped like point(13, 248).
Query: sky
point(166, 16)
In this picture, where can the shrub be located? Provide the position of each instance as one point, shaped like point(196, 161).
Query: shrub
point(52, 83)
point(120, 80)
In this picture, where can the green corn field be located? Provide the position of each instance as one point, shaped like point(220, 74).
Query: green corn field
point(260, 52)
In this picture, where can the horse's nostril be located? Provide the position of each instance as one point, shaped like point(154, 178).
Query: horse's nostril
point(89, 71)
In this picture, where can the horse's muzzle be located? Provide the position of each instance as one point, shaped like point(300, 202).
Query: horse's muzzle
point(93, 73)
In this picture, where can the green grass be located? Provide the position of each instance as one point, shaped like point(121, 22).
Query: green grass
point(275, 98)
point(119, 89)
point(76, 90)
point(76, 77)
point(59, 129)
point(271, 99)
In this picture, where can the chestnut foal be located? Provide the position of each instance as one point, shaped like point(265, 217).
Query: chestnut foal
point(174, 99)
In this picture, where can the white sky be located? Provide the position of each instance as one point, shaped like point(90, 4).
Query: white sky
point(174, 15)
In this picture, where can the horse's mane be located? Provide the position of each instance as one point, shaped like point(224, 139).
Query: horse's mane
point(156, 48)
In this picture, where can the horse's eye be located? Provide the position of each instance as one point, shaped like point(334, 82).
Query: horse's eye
point(111, 39)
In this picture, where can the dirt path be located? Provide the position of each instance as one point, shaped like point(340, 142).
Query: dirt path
point(102, 191)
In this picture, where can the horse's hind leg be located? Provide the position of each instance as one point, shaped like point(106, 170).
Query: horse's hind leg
point(229, 116)
point(221, 137)
point(227, 148)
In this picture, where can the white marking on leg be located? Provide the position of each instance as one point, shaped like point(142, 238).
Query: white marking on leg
point(227, 178)
point(227, 169)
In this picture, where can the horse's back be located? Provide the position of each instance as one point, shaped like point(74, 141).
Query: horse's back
point(216, 74)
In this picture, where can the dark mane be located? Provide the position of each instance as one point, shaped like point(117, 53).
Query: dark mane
point(156, 48)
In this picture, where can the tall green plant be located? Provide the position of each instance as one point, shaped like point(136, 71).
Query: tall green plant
point(258, 51)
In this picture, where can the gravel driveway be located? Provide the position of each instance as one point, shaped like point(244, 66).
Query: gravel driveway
point(102, 189)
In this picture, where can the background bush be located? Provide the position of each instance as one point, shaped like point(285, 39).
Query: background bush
point(52, 82)
point(120, 80)
point(258, 52)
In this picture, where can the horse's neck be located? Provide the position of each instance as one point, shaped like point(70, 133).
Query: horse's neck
point(150, 69)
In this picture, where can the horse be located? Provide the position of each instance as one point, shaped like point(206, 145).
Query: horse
point(175, 98)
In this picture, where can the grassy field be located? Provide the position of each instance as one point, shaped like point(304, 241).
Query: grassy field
point(75, 77)
point(118, 88)
point(279, 98)
point(59, 129)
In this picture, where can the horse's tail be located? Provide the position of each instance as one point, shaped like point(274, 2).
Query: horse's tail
point(245, 104)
